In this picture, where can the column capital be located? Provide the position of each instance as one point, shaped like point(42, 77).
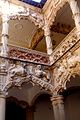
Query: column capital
point(57, 99)
point(2, 95)
point(5, 17)
point(58, 106)
point(46, 29)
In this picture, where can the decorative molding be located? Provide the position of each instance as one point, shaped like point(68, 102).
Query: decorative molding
point(36, 17)
point(66, 67)
point(51, 10)
point(18, 26)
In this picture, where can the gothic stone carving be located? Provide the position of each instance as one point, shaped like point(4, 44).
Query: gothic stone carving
point(71, 39)
point(65, 68)
point(28, 55)
point(51, 10)
point(20, 72)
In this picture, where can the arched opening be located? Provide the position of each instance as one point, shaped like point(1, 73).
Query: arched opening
point(21, 105)
point(15, 110)
point(72, 99)
point(43, 108)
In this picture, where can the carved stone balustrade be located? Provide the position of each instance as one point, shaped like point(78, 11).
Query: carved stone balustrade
point(67, 43)
point(67, 66)
point(28, 55)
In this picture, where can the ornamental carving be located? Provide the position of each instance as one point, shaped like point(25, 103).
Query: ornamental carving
point(35, 17)
point(18, 72)
point(18, 12)
point(28, 55)
point(65, 68)
point(70, 40)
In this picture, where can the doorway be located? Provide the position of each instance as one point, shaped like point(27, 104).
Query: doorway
point(14, 111)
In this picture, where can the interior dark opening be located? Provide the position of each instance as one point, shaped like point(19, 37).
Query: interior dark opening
point(15, 111)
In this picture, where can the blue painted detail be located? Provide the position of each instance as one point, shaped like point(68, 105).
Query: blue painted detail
point(37, 4)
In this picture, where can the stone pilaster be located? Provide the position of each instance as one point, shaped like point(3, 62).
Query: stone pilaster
point(30, 113)
point(76, 12)
point(58, 107)
point(2, 106)
point(5, 36)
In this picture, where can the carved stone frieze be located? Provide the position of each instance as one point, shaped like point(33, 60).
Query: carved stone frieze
point(21, 12)
point(65, 68)
point(36, 17)
point(18, 72)
point(28, 55)
point(67, 43)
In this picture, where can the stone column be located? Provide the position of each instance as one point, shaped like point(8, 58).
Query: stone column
point(5, 37)
point(30, 113)
point(48, 38)
point(2, 107)
point(58, 107)
point(75, 12)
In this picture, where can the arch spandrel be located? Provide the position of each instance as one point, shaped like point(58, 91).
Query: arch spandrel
point(14, 11)
point(66, 67)
point(17, 73)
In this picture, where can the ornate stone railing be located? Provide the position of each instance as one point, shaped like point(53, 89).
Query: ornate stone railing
point(67, 43)
point(28, 55)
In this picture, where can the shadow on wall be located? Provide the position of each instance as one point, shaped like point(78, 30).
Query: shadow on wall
point(43, 108)
point(72, 99)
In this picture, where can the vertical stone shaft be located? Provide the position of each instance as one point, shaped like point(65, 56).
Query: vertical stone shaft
point(5, 36)
point(2, 107)
point(58, 107)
